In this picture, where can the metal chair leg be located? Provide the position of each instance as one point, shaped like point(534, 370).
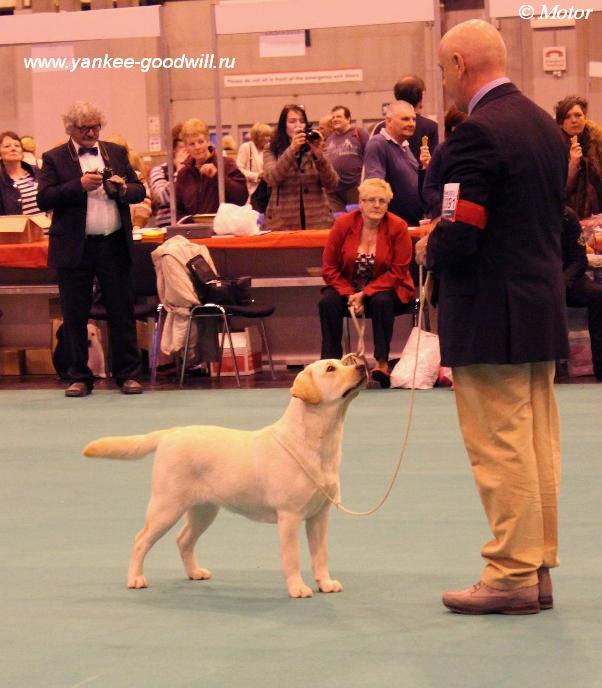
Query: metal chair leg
point(222, 340)
point(156, 335)
point(267, 347)
point(185, 354)
point(232, 351)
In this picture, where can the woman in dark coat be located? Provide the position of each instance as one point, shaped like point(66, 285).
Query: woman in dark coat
point(18, 179)
point(584, 142)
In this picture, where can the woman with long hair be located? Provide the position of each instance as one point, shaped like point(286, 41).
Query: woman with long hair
point(298, 174)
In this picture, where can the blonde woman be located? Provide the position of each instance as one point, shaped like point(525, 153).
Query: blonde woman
point(366, 267)
point(140, 211)
point(196, 185)
point(250, 154)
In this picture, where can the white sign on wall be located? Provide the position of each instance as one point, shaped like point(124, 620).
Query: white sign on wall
point(154, 125)
point(554, 59)
point(282, 44)
point(323, 76)
point(154, 144)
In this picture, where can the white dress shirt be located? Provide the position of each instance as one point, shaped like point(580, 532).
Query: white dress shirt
point(102, 217)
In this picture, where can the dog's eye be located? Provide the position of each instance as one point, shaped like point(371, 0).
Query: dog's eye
point(330, 369)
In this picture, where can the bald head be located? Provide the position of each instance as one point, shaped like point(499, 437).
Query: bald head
point(400, 120)
point(471, 54)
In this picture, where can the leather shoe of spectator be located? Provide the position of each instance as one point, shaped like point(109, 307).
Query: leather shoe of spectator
point(131, 387)
point(78, 389)
point(382, 377)
point(483, 599)
point(546, 600)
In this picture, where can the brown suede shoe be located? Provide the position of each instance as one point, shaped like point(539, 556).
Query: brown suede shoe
point(131, 387)
point(546, 601)
point(483, 599)
point(77, 389)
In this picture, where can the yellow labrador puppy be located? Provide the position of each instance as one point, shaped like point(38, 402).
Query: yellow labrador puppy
point(279, 474)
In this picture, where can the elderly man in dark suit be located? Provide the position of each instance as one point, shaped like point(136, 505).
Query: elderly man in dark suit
point(497, 252)
point(91, 236)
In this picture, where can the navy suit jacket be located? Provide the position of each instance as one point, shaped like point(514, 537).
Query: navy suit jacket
point(499, 259)
point(60, 190)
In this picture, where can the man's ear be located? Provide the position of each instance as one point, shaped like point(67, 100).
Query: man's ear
point(459, 63)
point(305, 388)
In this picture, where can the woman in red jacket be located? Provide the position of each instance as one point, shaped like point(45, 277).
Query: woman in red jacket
point(366, 267)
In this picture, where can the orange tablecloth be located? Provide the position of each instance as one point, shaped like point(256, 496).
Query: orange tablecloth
point(307, 238)
point(35, 255)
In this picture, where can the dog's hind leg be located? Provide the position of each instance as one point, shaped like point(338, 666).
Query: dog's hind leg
point(198, 519)
point(161, 515)
point(317, 537)
point(288, 530)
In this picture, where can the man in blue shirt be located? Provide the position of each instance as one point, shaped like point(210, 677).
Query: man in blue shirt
point(388, 156)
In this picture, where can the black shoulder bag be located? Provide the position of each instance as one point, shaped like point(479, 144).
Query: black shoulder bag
point(261, 196)
point(212, 288)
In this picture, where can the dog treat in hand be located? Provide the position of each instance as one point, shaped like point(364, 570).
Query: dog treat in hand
point(425, 140)
point(574, 140)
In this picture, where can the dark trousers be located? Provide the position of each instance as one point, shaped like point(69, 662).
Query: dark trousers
point(382, 308)
point(587, 293)
point(107, 259)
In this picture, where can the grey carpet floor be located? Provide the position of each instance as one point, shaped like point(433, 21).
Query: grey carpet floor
point(68, 620)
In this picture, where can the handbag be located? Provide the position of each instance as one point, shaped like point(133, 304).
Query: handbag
point(261, 196)
point(212, 288)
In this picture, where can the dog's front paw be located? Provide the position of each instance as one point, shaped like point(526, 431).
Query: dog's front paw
point(330, 585)
point(199, 574)
point(299, 590)
point(137, 582)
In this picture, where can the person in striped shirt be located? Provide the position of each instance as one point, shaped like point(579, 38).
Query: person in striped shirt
point(159, 180)
point(18, 179)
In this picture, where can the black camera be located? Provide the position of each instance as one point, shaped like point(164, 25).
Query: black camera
point(112, 189)
point(312, 135)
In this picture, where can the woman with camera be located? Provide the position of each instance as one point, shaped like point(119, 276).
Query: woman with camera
point(298, 174)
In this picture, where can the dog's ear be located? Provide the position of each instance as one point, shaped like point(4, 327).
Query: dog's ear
point(305, 388)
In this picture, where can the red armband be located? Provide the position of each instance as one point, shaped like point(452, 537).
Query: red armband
point(470, 213)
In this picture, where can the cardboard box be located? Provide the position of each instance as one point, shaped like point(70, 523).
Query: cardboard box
point(22, 229)
point(247, 346)
point(38, 361)
point(12, 361)
point(580, 354)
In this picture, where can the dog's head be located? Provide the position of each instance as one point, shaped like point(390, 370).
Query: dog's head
point(329, 381)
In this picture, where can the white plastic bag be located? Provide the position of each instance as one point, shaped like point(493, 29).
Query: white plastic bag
point(240, 220)
point(429, 361)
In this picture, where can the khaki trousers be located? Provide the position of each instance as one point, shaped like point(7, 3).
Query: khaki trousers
point(510, 424)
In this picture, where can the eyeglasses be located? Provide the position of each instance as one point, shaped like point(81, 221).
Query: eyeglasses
point(92, 127)
point(375, 201)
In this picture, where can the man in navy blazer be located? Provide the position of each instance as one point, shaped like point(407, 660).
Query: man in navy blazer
point(91, 236)
point(497, 252)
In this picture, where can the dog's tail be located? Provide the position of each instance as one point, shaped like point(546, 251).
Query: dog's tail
point(125, 447)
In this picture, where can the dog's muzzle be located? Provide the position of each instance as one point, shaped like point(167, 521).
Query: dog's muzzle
point(361, 366)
